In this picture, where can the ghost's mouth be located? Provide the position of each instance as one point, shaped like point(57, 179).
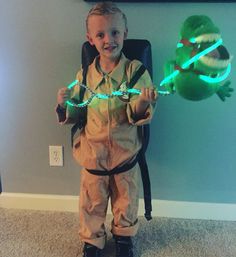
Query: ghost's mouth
point(216, 78)
point(218, 58)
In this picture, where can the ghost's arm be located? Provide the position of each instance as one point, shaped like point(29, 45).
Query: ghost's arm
point(224, 91)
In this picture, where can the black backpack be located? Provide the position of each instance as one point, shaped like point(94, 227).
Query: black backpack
point(143, 48)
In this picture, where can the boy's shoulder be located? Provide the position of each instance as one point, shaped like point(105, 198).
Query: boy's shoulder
point(133, 65)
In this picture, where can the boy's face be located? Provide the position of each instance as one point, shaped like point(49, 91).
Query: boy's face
point(107, 33)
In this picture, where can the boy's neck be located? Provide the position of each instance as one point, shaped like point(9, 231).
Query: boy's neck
point(107, 65)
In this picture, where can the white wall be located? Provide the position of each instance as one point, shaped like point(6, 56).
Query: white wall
point(193, 144)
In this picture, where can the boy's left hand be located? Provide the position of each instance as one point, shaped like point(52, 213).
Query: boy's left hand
point(148, 95)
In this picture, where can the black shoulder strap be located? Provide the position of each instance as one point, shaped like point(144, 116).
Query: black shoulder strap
point(144, 131)
point(146, 181)
point(137, 76)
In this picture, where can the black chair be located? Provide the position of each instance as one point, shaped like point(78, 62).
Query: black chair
point(139, 49)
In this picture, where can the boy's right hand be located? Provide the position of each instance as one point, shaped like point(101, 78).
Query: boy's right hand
point(63, 95)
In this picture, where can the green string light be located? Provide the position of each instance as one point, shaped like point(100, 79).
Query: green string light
point(168, 78)
point(98, 95)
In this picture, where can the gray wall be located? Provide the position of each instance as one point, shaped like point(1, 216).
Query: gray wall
point(193, 144)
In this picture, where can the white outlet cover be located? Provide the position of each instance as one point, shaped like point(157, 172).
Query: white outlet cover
point(56, 155)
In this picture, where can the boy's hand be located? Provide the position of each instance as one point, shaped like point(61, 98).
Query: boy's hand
point(148, 95)
point(63, 95)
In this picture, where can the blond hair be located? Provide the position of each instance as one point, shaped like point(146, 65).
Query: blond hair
point(105, 8)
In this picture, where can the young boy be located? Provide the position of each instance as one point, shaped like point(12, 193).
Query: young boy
point(109, 139)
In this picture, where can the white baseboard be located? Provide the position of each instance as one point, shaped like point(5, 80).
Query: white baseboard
point(161, 208)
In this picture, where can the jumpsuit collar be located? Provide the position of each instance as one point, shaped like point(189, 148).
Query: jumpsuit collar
point(116, 74)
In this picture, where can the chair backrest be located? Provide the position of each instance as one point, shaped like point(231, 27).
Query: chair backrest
point(139, 49)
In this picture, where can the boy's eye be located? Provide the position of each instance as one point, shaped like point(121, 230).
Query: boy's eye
point(100, 35)
point(115, 32)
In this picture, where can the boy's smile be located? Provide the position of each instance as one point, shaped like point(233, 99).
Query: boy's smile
point(107, 34)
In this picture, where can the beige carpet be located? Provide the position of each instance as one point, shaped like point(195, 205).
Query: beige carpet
point(54, 234)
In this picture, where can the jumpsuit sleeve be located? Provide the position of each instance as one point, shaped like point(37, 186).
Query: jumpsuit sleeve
point(70, 114)
point(144, 81)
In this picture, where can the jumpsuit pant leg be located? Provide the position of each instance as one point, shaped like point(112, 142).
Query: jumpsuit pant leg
point(124, 202)
point(95, 191)
point(93, 202)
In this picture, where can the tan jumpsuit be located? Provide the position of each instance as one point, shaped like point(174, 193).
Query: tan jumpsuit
point(109, 140)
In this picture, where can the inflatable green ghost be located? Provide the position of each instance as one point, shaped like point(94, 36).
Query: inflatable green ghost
point(201, 63)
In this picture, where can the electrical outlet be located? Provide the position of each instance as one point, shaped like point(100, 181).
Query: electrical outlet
point(56, 155)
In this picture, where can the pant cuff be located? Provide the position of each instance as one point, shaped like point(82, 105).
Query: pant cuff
point(125, 231)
